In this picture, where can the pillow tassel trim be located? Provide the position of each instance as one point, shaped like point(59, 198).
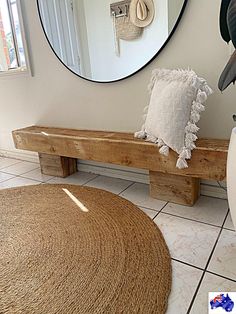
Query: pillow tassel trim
point(141, 134)
point(181, 163)
point(164, 150)
point(203, 91)
point(191, 129)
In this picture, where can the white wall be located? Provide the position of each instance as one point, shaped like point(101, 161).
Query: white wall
point(105, 64)
point(56, 97)
point(174, 7)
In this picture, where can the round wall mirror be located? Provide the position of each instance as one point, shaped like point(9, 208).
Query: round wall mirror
point(105, 40)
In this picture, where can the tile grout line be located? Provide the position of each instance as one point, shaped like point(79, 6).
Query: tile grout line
point(53, 177)
point(202, 269)
point(148, 208)
point(48, 181)
point(11, 164)
point(188, 264)
point(19, 175)
point(131, 184)
point(207, 264)
point(196, 292)
point(228, 229)
point(22, 161)
point(211, 272)
point(145, 207)
point(191, 219)
point(13, 176)
point(90, 180)
point(164, 206)
point(156, 216)
point(228, 213)
point(160, 211)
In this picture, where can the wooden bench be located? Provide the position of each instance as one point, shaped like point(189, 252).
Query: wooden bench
point(59, 149)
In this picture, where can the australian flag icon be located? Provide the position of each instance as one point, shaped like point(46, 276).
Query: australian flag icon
point(223, 301)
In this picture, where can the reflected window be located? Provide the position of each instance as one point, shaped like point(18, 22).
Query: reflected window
point(12, 48)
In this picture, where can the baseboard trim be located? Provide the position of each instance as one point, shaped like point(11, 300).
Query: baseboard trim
point(214, 191)
point(21, 155)
point(113, 172)
point(208, 188)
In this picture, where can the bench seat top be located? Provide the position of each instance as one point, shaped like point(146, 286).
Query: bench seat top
point(202, 143)
point(208, 159)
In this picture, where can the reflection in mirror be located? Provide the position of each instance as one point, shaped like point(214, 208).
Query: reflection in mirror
point(98, 39)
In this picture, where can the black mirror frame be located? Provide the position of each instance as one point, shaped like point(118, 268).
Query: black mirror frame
point(135, 72)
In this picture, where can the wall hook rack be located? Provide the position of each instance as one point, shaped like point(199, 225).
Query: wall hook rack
point(121, 8)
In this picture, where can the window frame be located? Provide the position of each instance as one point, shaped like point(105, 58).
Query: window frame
point(26, 70)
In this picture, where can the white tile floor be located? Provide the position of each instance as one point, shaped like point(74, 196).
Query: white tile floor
point(201, 239)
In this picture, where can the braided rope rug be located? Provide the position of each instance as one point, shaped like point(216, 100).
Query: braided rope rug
point(70, 249)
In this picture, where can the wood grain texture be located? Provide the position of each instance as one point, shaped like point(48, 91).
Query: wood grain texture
point(174, 188)
point(57, 166)
point(208, 159)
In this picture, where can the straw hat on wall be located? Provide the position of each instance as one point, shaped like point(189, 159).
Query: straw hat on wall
point(142, 12)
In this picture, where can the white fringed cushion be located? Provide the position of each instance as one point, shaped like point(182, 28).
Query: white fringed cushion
point(177, 98)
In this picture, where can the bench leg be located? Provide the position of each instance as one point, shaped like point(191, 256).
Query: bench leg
point(173, 188)
point(57, 166)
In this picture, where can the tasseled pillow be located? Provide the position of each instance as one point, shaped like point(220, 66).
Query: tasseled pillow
point(177, 100)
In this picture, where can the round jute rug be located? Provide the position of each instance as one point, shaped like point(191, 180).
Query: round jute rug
point(70, 249)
